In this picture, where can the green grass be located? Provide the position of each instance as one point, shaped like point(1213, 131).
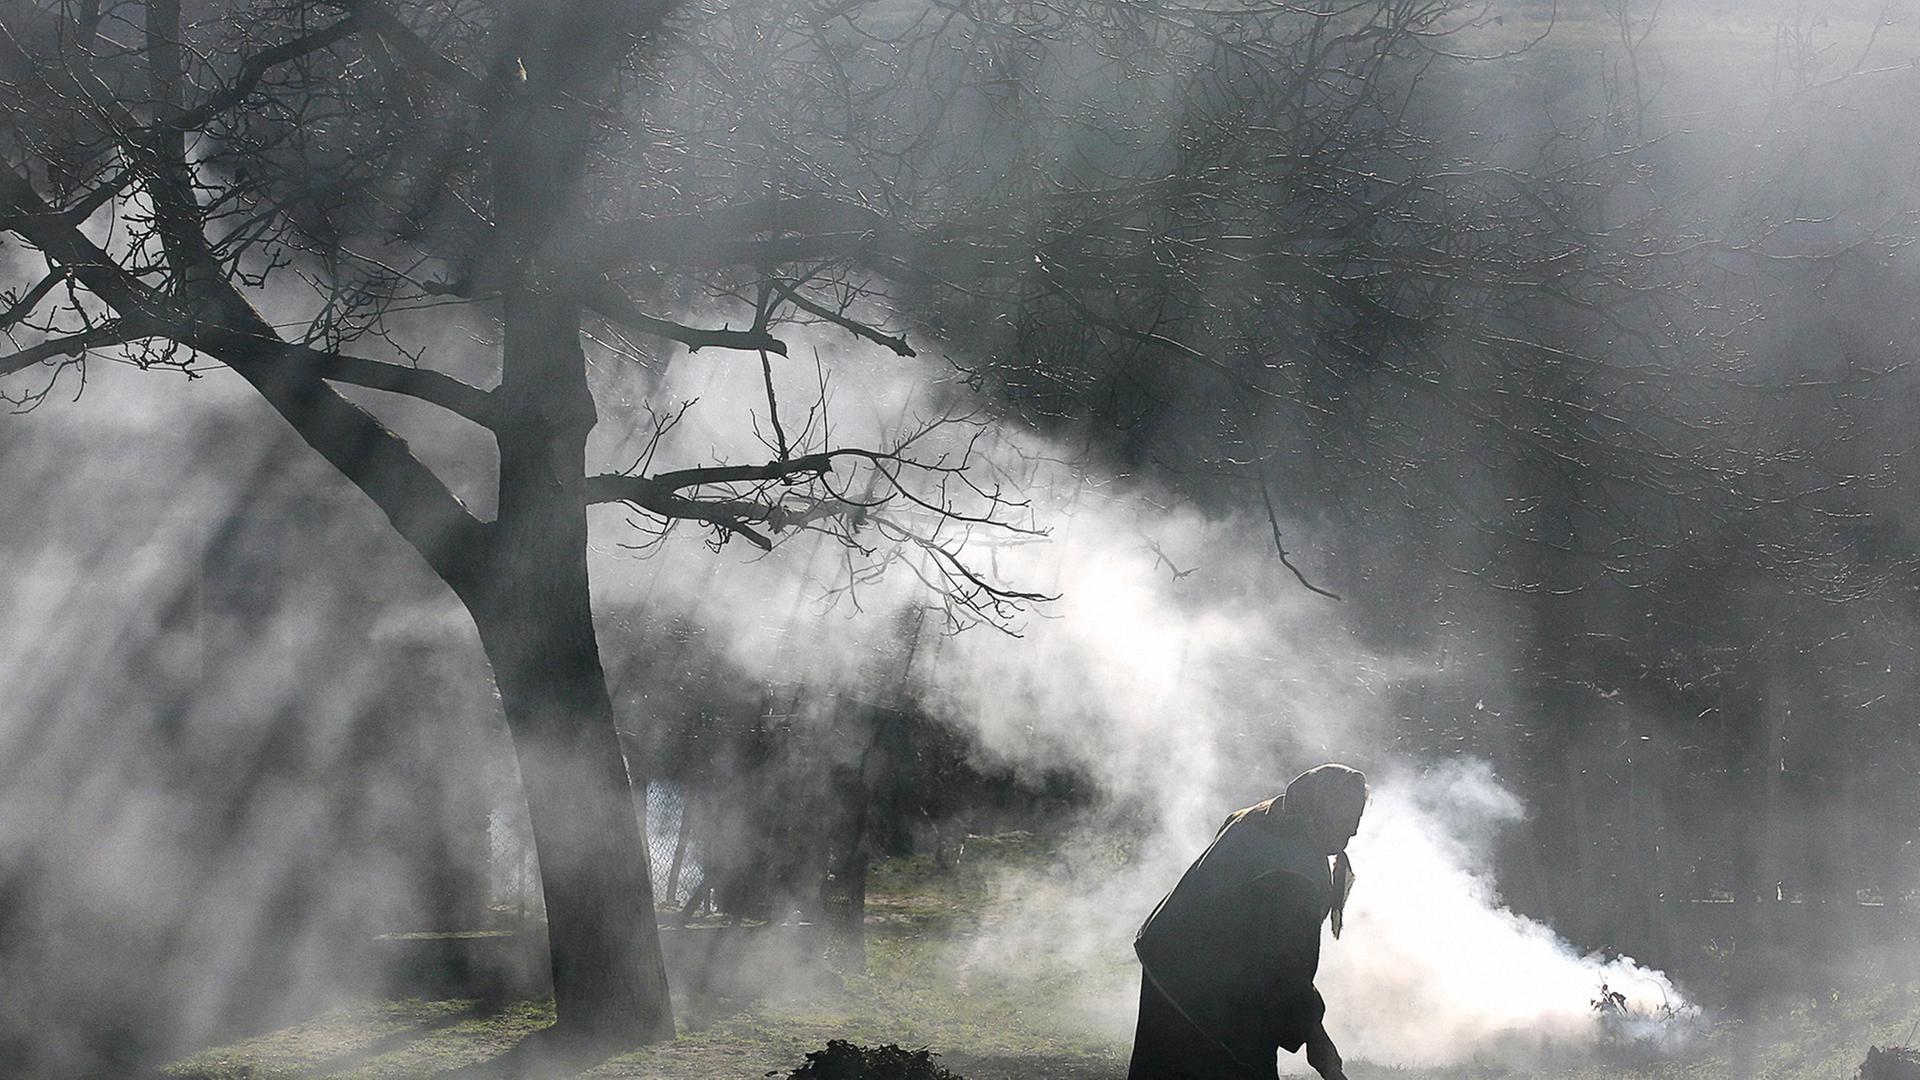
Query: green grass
point(373, 1040)
point(915, 893)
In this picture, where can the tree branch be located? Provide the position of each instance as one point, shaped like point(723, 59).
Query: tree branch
point(1286, 560)
point(736, 516)
point(403, 39)
point(421, 384)
point(804, 465)
point(731, 515)
point(117, 332)
point(856, 328)
point(22, 211)
point(256, 67)
point(660, 494)
point(219, 322)
point(30, 299)
point(378, 461)
point(610, 303)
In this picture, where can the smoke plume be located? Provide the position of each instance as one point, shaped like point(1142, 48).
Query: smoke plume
point(1187, 674)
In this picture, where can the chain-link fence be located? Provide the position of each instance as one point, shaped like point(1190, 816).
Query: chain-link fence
point(670, 844)
point(513, 874)
point(513, 878)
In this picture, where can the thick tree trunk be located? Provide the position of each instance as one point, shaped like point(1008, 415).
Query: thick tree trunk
point(556, 64)
point(536, 623)
point(609, 981)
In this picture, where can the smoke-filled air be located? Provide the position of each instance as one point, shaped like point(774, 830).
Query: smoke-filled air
point(976, 540)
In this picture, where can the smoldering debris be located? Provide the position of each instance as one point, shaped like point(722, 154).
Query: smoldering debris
point(842, 1060)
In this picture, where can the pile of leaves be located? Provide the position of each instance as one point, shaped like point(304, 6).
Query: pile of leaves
point(1890, 1063)
point(842, 1060)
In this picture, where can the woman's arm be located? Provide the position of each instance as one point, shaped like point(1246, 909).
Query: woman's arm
point(1323, 1055)
point(1288, 909)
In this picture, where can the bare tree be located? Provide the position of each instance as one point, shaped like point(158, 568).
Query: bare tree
point(171, 166)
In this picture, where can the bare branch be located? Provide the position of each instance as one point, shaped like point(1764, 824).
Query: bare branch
point(1273, 519)
point(793, 296)
point(612, 304)
point(118, 332)
point(377, 461)
point(30, 299)
point(58, 236)
point(256, 67)
point(422, 384)
point(224, 326)
point(804, 465)
point(393, 30)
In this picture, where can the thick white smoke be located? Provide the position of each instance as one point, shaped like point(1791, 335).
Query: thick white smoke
point(1187, 674)
point(1431, 968)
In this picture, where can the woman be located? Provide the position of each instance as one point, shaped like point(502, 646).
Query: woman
point(1228, 958)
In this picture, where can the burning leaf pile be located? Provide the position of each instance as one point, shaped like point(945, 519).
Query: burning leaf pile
point(842, 1060)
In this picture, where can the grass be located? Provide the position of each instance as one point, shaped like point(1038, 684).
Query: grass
point(920, 989)
point(917, 990)
point(373, 1039)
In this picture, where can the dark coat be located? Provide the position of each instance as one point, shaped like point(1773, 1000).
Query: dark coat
point(1230, 954)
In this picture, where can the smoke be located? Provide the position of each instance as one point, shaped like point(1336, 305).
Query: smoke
point(1181, 669)
point(1186, 674)
point(1432, 968)
point(224, 683)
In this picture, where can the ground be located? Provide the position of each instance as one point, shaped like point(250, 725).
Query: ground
point(914, 993)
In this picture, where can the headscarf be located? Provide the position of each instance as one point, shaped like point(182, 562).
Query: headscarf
point(1327, 794)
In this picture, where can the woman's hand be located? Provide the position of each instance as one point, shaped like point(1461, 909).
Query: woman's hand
point(1324, 1056)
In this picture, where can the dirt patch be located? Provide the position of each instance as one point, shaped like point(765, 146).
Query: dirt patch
point(1034, 1067)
